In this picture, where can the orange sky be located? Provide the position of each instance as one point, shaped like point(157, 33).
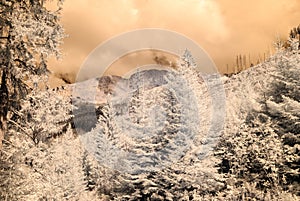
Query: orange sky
point(224, 28)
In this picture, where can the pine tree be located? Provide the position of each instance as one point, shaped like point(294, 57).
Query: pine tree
point(259, 145)
point(42, 116)
point(161, 150)
point(186, 61)
point(29, 34)
point(283, 105)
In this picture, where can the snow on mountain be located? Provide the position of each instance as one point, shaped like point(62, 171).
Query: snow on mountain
point(150, 137)
point(248, 94)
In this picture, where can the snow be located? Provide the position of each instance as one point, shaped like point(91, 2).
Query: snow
point(169, 135)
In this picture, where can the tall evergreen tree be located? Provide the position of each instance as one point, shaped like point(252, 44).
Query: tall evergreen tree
point(29, 34)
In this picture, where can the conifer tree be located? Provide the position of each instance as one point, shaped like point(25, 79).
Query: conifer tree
point(29, 34)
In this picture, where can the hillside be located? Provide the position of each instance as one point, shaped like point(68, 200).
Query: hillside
point(154, 142)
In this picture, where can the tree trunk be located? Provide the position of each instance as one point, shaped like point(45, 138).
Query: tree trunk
point(3, 107)
point(3, 129)
point(1, 138)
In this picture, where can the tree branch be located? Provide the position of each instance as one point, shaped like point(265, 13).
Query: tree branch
point(25, 132)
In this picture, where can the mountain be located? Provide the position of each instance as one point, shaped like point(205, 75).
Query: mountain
point(90, 96)
point(150, 137)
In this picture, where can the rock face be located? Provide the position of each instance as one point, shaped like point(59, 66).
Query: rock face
point(107, 83)
point(91, 95)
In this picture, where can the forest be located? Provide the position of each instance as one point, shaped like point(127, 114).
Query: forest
point(166, 134)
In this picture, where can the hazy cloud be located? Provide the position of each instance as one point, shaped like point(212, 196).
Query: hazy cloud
point(224, 28)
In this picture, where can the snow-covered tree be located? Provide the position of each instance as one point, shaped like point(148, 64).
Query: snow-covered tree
point(283, 106)
point(29, 34)
point(187, 70)
point(52, 171)
point(294, 38)
point(31, 146)
point(186, 61)
point(43, 115)
point(259, 146)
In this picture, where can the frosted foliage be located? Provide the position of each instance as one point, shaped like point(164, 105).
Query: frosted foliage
point(243, 92)
point(44, 172)
point(186, 62)
point(149, 124)
point(210, 96)
point(41, 157)
point(161, 133)
point(258, 150)
point(37, 29)
point(148, 127)
point(29, 33)
point(32, 34)
point(294, 44)
point(43, 115)
point(158, 141)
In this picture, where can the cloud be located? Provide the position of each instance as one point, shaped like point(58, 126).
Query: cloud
point(255, 24)
point(224, 28)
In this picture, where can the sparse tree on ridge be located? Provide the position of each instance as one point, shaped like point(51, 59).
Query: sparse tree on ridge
point(186, 61)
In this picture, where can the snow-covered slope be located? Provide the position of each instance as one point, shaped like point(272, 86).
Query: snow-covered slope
point(256, 157)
